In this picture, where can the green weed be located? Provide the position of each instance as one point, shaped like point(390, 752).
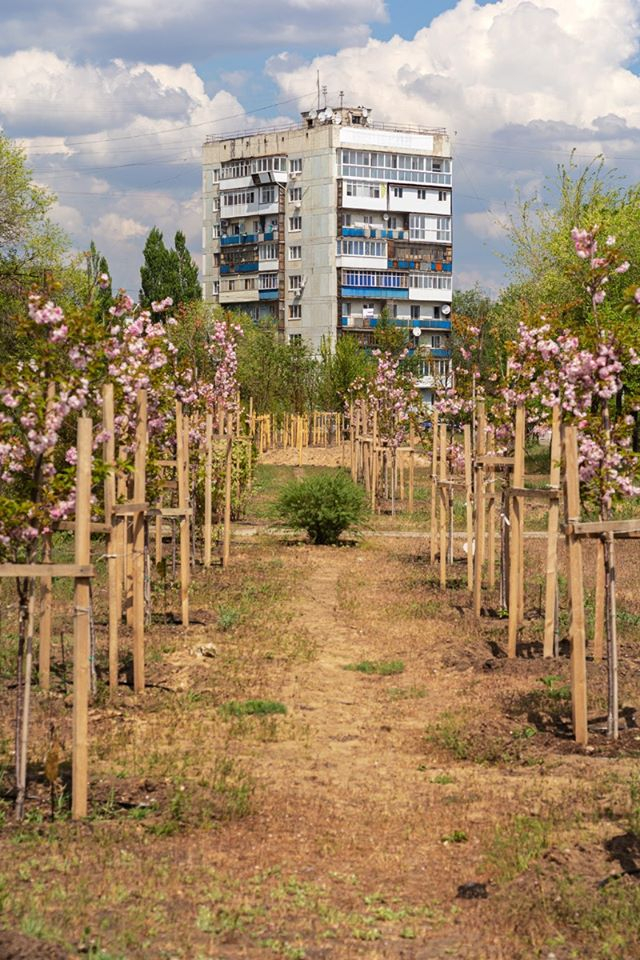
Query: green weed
point(381, 668)
point(251, 708)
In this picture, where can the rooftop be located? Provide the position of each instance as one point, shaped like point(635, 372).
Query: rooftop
point(359, 117)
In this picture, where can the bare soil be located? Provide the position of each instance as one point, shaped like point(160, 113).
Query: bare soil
point(439, 811)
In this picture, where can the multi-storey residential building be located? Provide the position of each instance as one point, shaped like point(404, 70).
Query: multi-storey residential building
point(325, 224)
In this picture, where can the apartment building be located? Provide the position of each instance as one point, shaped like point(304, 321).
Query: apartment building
point(324, 224)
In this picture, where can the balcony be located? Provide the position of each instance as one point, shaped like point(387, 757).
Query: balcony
point(250, 266)
point(268, 294)
point(241, 238)
point(376, 293)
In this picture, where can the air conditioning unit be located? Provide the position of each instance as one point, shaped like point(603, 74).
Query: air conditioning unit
point(303, 283)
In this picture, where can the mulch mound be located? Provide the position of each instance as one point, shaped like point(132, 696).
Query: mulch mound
point(15, 946)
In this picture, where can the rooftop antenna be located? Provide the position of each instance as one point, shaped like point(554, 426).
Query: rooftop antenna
point(341, 99)
point(324, 91)
point(318, 85)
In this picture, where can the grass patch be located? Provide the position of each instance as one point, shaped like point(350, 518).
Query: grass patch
point(381, 668)
point(516, 845)
point(252, 708)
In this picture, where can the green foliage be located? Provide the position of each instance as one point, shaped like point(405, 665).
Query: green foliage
point(252, 708)
point(456, 836)
point(340, 365)
point(168, 272)
point(383, 668)
point(281, 377)
point(324, 504)
point(31, 246)
point(517, 844)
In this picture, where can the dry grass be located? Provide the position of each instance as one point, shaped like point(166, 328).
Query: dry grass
point(335, 830)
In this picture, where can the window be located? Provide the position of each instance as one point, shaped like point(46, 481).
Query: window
point(295, 253)
point(295, 311)
point(215, 231)
point(430, 281)
point(295, 165)
point(415, 311)
point(443, 195)
point(295, 281)
point(238, 198)
point(394, 167)
point(367, 218)
point(216, 287)
point(264, 164)
point(362, 248)
point(268, 281)
point(392, 223)
point(443, 231)
point(295, 338)
point(346, 219)
point(295, 223)
point(295, 193)
point(355, 188)
point(397, 191)
point(394, 311)
point(436, 313)
point(374, 278)
point(268, 251)
point(346, 308)
point(436, 340)
point(422, 194)
point(268, 195)
point(235, 169)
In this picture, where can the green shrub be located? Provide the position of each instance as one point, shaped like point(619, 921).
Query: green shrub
point(324, 504)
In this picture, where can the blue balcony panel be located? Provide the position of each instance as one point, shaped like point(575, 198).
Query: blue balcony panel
point(433, 324)
point(376, 293)
point(238, 238)
point(250, 267)
point(268, 294)
point(225, 269)
point(444, 354)
point(358, 232)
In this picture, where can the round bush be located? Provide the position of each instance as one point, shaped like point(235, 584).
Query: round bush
point(324, 504)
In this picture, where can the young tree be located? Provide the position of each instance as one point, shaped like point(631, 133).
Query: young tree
point(156, 273)
point(31, 246)
point(168, 272)
point(187, 286)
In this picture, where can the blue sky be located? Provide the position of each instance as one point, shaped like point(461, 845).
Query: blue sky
point(113, 101)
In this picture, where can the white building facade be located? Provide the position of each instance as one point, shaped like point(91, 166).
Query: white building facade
point(324, 225)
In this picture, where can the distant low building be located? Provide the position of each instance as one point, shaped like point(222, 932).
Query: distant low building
point(323, 224)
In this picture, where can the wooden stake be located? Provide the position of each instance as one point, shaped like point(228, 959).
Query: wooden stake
point(226, 541)
point(479, 503)
point(553, 523)
point(81, 634)
point(600, 602)
point(468, 480)
point(434, 485)
point(139, 496)
point(516, 574)
point(576, 588)
point(412, 453)
point(443, 504)
point(109, 456)
point(491, 521)
point(208, 481)
point(46, 595)
point(182, 461)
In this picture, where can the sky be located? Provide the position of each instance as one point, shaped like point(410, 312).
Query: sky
point(112, 102)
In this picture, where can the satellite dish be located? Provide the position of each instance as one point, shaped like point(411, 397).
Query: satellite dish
point(446, 309)
point(365, 112)
point(385, 216)
point(337, 119)
point(328, 113)
point(416, 332)
point(313, 114)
